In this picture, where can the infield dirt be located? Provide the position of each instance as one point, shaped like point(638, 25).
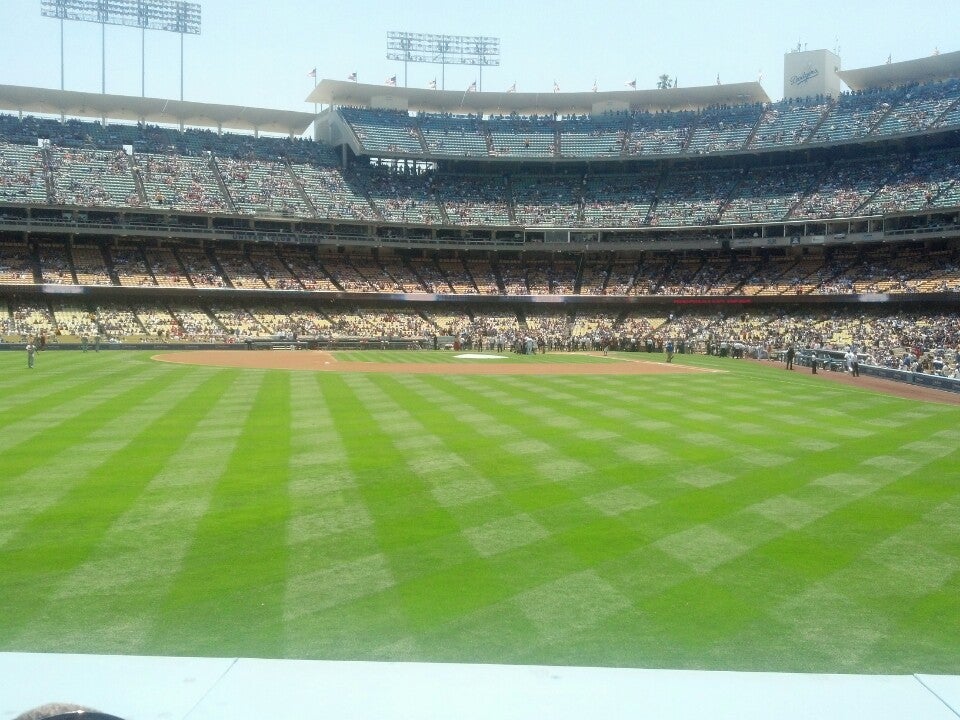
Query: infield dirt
point(324, 361)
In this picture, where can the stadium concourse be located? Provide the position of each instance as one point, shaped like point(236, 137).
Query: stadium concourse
point(707, 217)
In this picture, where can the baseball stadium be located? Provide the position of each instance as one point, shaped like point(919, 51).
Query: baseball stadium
point(486, 393)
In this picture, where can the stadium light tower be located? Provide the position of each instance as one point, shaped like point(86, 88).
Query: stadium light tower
point(170, 15)
point(442, 50)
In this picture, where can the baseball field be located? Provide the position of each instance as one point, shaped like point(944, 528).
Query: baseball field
point(566, 509)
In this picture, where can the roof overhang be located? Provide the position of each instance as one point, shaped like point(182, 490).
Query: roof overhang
point(928, 69)
point(152, 110)
point(342, 92)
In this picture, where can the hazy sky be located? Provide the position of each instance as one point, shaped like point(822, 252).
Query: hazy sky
point(260, 54)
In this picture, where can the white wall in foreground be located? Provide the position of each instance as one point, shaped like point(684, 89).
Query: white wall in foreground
point(151, 688)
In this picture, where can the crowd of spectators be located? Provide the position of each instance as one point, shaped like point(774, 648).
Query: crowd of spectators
point(22, 176)
point(669, 196)
point(404, 197)
point(16, 264)
point(54, 264)
point(115, 321)
point(202, 272)
point(164, 268)
point(924, 342)
point(180, 182)
point(851, 116)
point(548, 200)
point(601, 136)
point(131, 267)
point(333, 193)
point(91, 178)
point(241, 273)
point(619, 200)
point(888, 268)
point(473, 199)
point(91, 165)
point(89, 267)
point(380, 130)
point(660, 133)
point(258, 187)
point(724, 129)
point(523, 136)
point(789, 122)
point(929, 338)
point(457, 135)
point(844, 189)
point(693, 197)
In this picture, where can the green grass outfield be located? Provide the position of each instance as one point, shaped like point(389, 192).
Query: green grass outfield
point(752, 519)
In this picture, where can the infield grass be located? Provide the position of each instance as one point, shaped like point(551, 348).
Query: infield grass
point(750, 519)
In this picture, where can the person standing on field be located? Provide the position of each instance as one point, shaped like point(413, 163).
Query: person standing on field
point(31, 354)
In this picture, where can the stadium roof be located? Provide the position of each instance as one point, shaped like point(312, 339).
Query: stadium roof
point(342, 92)
point(151, 110)
point(928, 69)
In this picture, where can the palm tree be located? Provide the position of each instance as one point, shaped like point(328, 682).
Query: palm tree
point(664, 82)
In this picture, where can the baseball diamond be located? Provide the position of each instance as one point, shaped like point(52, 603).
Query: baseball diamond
point(636, 379)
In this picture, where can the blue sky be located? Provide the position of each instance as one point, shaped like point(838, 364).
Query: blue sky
point(260, 54)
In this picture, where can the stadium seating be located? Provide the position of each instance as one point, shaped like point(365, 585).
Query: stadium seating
point(473, 199)
point(16, 265)
point(658, 133)
point(22, 177)
point(695, 198)
point(384, 130)
point(656, 171)
point(92, 178)
point(553, 201)
point(89, 266)
point(455, 135)
point(724, 129)
point(518, 136)
point(179, 182)
point(600, 136)
point(919, 107)
point(619, 200)
point(788, 123)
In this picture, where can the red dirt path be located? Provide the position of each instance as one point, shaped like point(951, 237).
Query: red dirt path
point(323, 361)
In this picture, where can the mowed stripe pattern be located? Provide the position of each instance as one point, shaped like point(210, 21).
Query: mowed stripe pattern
point(743, 520)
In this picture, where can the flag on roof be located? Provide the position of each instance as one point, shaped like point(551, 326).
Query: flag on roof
point(352, 77)
point(889, 58)
point(312, 73)
point(718, 78)
point(594, 84)
point(432, 84)
point(472, 87)
point(632, 84)
point(556, 86)
point(391, 81)
point(512, 88)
